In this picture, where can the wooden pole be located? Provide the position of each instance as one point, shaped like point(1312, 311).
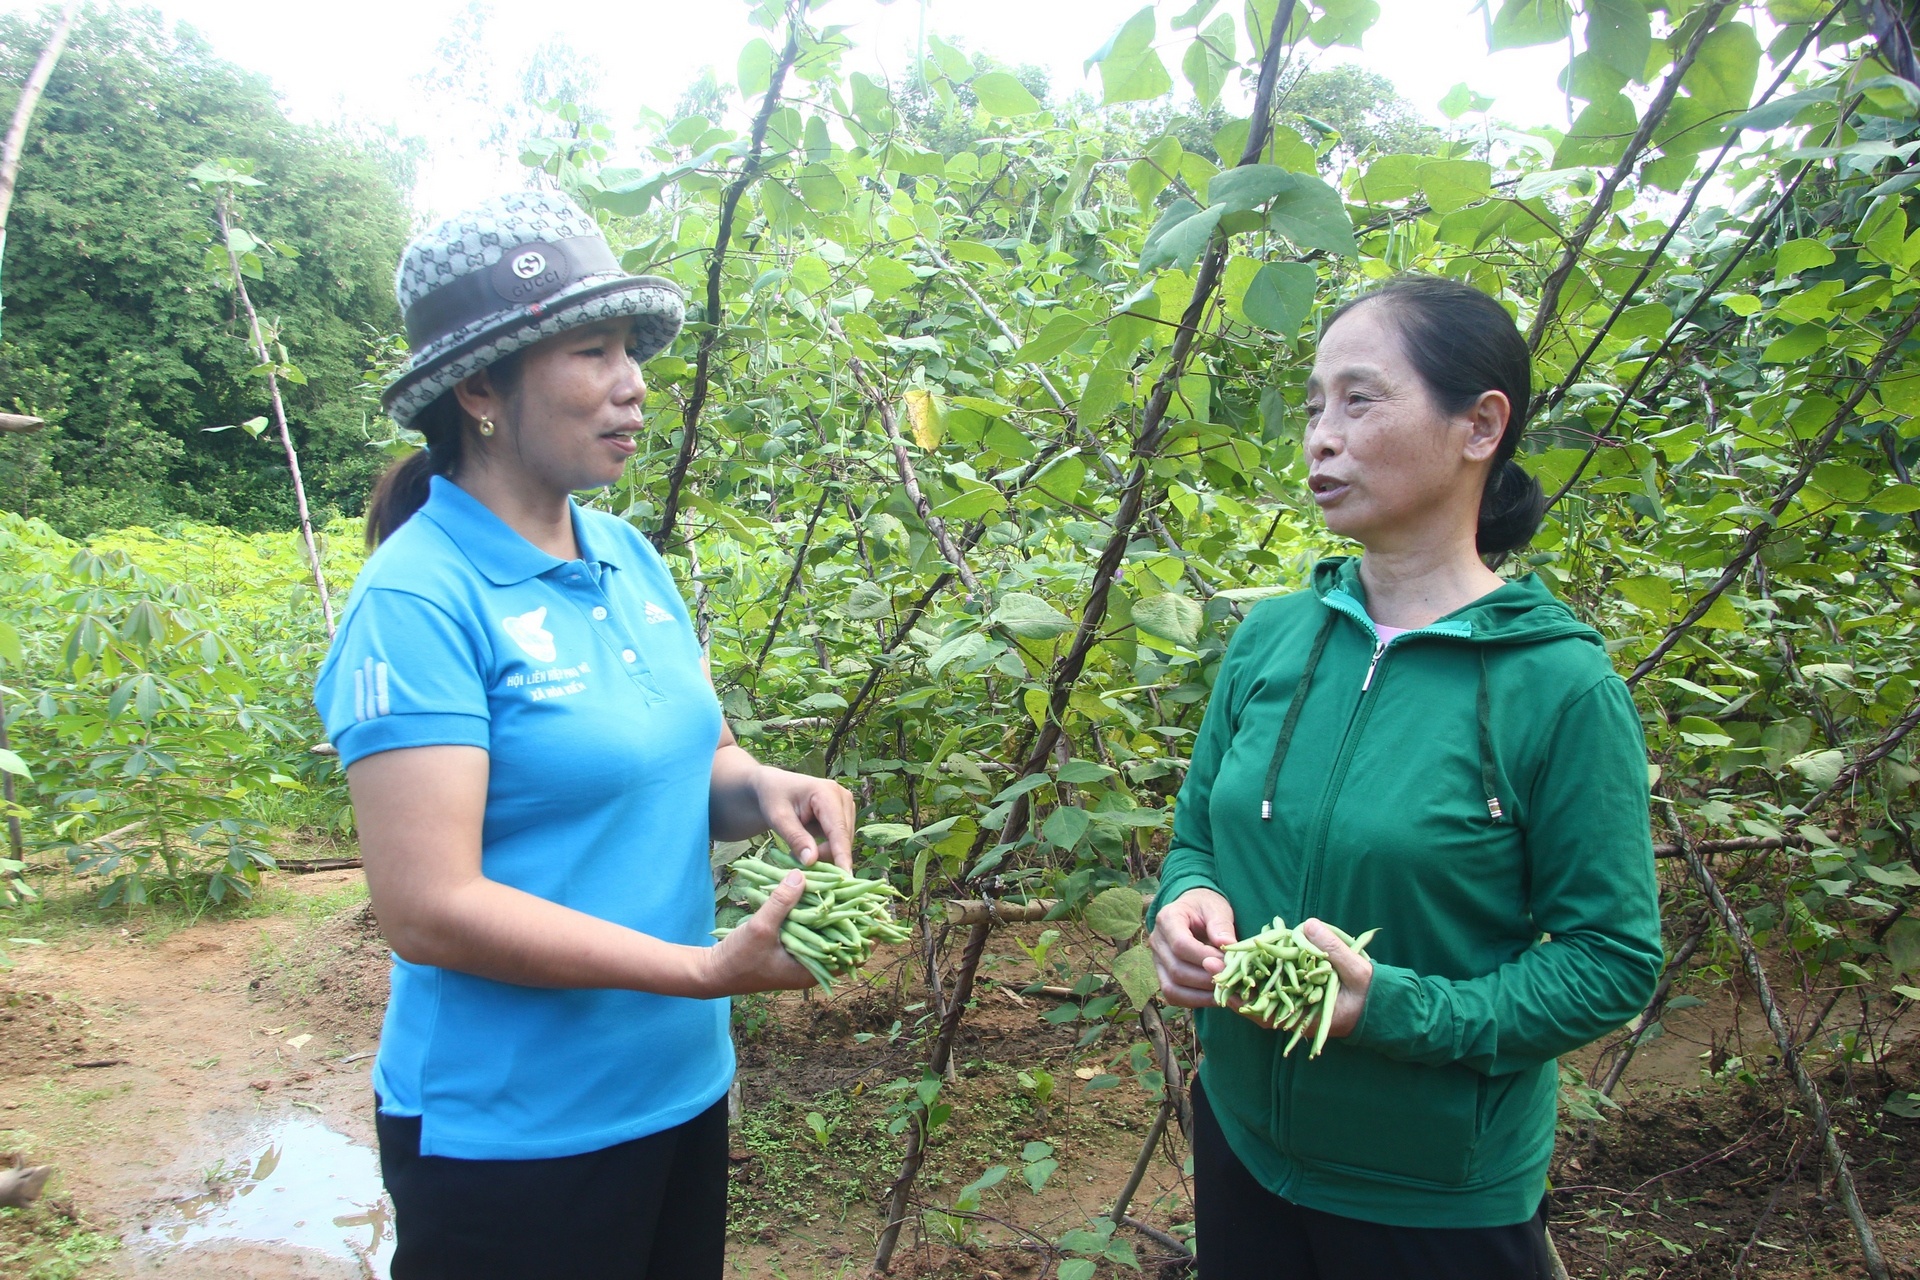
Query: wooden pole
point(259, 344)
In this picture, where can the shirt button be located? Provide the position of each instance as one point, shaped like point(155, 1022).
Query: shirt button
point(599, 613)
point(628, 655)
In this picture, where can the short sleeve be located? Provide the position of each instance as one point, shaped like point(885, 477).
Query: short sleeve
point(402, 673)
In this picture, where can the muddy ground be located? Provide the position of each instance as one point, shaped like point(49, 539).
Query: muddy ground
point(196, 1084)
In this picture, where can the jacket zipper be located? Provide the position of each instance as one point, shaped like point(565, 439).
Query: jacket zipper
point(1343, 759)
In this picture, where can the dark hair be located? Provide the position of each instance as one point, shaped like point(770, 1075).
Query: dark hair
point(403, 489)
point(1463, 344)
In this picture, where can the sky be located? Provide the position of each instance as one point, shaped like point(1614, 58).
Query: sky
point(362, 60)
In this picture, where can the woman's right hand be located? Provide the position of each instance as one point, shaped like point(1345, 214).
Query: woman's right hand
point(750, 958)
point(1188, 937)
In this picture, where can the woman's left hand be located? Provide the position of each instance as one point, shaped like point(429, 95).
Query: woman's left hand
point(804, 811)
point(1356, 975)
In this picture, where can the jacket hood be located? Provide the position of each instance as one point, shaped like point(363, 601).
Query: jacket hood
point(1522, 611)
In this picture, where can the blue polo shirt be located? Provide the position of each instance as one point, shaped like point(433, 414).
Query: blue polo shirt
point(583, 681)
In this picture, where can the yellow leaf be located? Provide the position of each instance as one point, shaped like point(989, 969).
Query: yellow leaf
point(928, 417)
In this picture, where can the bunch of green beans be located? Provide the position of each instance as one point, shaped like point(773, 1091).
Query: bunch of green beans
point(839, 917)
point(1284, 980)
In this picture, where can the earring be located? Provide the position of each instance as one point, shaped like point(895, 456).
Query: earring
point(486, 426)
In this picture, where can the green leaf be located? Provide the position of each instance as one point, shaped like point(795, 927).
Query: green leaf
point(1170, 617)
point(10, 650)
point(867, 600)
point(1795, 345)
point(1148, 176)
point(1620, 35)
point(1655, 595)
point(1003, 95)
point(1179, 236)
point(1722, 77)
point(1721, 615)
point(1056, 336)
point(1064, 827)
point(1116, 913)
point(1343, 22)
point(1038, 1169)
point(1903, 946)
point(1460, 100)
point(1599, 133)
point(1313, 217)
point(1842, 480)
point(1133, 970)
point(888, 277)
point(1076, 1269)
point(1797, 255)
point(1897, 501)
point(1821, 768)
point(1279, 297)
point(1248, 186)
point(1455, 184)
point(755, 71)
point(10, 762)
point(1210, 60)
point(1030, 617)
point(1528, 22)
point(1897, 876)
point(1130, 70)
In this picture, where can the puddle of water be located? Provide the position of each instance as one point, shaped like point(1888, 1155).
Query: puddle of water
point(302, 1185)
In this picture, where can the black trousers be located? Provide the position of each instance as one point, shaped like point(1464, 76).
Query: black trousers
point(1242, 1231)
point(654, 1208)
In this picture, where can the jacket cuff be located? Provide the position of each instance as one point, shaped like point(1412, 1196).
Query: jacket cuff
point(1173, 888)
point(1392, 1013)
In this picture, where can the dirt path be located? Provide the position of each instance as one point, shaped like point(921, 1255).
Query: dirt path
point(146, 1071)
point(204, 1094)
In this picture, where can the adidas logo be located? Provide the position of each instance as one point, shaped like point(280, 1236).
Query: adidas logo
point(656, 614)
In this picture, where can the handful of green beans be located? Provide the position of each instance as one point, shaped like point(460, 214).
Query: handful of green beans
point(1283, 979)
point(839, 917)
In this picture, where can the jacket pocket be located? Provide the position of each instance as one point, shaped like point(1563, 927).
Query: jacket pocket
point(1354, 1110)
point(1238, 1064)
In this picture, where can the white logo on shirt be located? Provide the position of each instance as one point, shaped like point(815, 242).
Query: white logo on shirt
point(656, 614)
point(370, 690)
point(526, 631)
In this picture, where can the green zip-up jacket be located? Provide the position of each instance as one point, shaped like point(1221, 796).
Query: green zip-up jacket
point(1475, 789)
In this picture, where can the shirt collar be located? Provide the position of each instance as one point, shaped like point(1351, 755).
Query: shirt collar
point(499, 553)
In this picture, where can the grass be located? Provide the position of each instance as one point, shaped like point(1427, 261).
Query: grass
point(45, 1243)
point(68, 907)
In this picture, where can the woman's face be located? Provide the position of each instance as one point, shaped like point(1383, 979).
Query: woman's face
point(573, 420)
point(1386, 464)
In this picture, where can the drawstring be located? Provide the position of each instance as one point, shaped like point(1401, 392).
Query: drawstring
point(1293, 715)
point(1488, 782)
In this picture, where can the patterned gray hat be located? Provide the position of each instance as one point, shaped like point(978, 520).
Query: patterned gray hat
point(504, 275)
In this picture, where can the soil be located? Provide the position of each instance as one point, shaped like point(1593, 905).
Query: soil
point(144, 1063)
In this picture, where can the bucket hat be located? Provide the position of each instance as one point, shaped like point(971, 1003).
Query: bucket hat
point(505, 274)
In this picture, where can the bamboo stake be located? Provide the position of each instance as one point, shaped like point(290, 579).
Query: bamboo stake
point(1145, 1158)
point(258, 342)
point(1790, 1057)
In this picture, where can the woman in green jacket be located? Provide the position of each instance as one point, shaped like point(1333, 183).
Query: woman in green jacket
point(1420, 746)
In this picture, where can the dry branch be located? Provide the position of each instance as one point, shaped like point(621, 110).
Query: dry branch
point(1603, 199)
point(974, 911)
point(1790, 1058)
point(1757, 536)
point(716, 267)
point(1066, 674)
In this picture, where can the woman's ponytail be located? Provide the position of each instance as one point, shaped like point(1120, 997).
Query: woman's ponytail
point(404, 488)
point(1511, 509)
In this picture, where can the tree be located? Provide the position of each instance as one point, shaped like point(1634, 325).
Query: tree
point(113, 334)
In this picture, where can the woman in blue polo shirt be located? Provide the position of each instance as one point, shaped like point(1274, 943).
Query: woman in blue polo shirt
point(538, 764)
